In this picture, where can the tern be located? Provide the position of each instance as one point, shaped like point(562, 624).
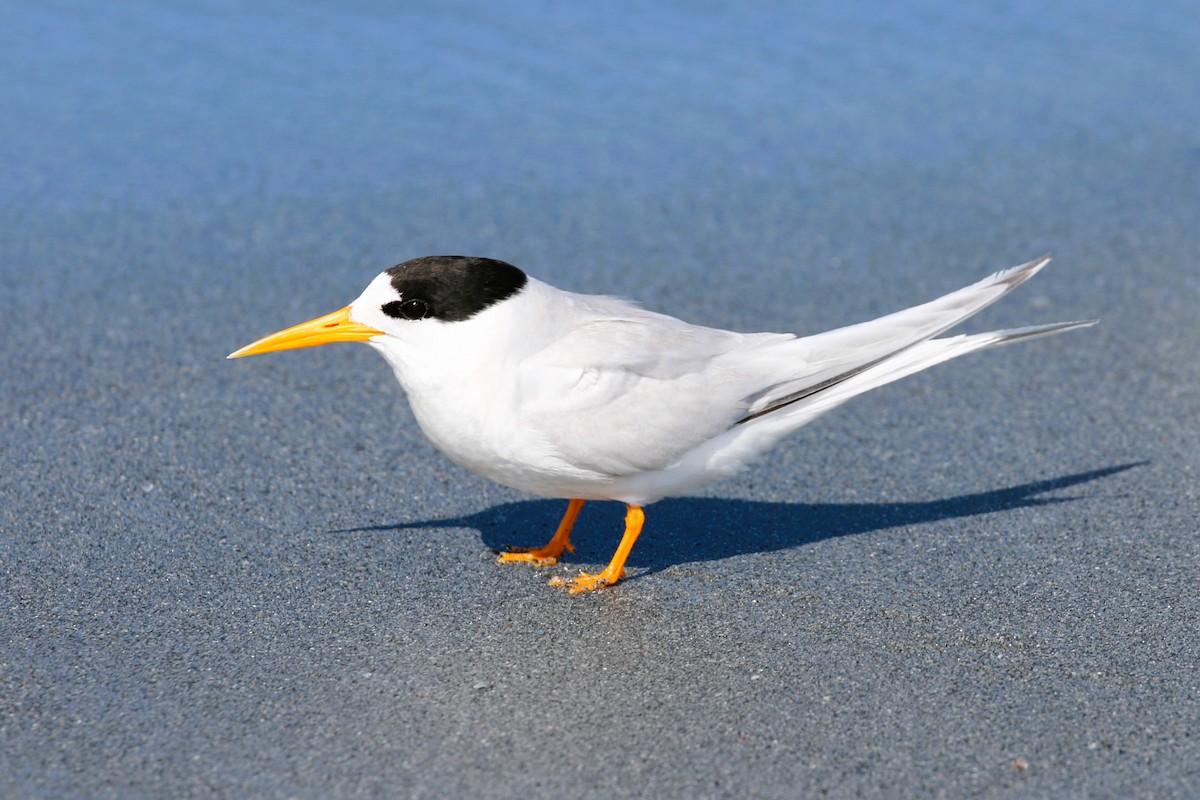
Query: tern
point(585, 397)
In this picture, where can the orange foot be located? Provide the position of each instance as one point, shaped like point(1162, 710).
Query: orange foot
point(548, 553)
point(588, 581)
point(544, 556)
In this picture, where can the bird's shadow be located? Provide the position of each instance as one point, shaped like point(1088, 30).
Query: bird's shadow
point(692, 529)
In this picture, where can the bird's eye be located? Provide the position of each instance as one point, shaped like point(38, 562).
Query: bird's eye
point(412, 308)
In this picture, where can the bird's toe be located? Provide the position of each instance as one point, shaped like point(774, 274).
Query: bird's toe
point(586, 581)
point(537, 558)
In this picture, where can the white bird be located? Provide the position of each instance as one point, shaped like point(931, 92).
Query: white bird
point(585, 397)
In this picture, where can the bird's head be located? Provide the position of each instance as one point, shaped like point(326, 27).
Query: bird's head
point(405, 303)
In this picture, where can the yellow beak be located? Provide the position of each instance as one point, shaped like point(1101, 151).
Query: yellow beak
point(335, 327)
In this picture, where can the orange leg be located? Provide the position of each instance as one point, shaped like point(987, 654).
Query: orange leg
point(548, 553)
point(634, 519)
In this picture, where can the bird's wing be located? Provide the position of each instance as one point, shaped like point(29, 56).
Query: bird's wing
point(633, 390)
point(629, 390)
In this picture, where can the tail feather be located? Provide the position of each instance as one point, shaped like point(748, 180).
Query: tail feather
point(829, 359)
point(915, 358)
point(1034, 331)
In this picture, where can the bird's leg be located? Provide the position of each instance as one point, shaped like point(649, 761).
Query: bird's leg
point(548, 553)
point(585, 582)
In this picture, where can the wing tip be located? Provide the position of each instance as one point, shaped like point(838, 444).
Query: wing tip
point(1015, 276)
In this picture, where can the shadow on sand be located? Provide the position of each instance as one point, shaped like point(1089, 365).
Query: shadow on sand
point(691, 529)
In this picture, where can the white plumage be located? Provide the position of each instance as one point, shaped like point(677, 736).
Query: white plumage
point(594, 398)
point(568, 395)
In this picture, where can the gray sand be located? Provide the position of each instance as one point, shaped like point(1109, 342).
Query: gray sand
point(256, 578)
